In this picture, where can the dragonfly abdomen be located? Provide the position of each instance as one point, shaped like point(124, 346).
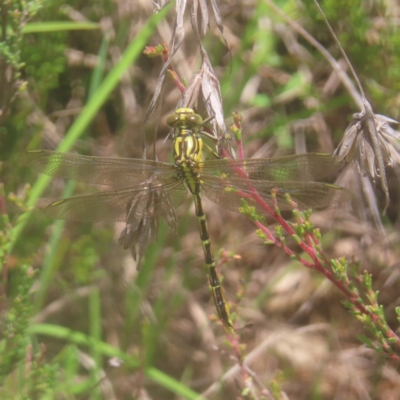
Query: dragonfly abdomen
point(216, 288)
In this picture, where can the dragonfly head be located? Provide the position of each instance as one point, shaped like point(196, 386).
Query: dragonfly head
point(185, 118)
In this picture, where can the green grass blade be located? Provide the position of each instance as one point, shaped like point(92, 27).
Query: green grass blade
point(50, 263)
point(56, 26)
point(98, 72)
point(107, 350)
point(130, 55)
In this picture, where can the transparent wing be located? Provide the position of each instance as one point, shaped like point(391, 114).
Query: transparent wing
point(145, 201)
point(229, 191)
point(116, 172)
point(300, 167)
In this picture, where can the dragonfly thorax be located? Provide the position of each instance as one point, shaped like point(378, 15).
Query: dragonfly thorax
point(188, 144)
point(188, 147)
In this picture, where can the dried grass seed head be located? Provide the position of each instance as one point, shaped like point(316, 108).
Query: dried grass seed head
point(356, 145)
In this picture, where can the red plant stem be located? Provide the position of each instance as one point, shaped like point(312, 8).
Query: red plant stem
point(311, 241)
point(278, 218)
point(278, 243)
point(309, 248)
point(176, 79)
point(171, 69)
point(240, 149)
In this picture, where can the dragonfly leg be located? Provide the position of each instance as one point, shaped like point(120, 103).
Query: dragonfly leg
point(216, 288)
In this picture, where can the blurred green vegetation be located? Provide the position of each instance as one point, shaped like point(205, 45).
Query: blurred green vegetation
point(78, 320)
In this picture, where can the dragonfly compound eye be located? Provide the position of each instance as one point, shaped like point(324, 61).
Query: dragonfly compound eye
point(195, 120)
point(172, 120)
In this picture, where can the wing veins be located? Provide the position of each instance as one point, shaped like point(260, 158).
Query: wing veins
point(116, 172)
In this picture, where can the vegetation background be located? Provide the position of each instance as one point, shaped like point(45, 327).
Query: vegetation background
point(78, 321)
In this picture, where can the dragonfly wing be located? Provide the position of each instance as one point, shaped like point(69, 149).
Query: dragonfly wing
point(302, 167)
point(230, 192)
point(117, 172)
point(121, 205)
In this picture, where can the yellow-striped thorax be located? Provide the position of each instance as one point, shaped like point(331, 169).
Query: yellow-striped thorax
point(188, 145)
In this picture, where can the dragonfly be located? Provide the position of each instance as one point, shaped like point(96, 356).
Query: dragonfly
point(143, 191)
